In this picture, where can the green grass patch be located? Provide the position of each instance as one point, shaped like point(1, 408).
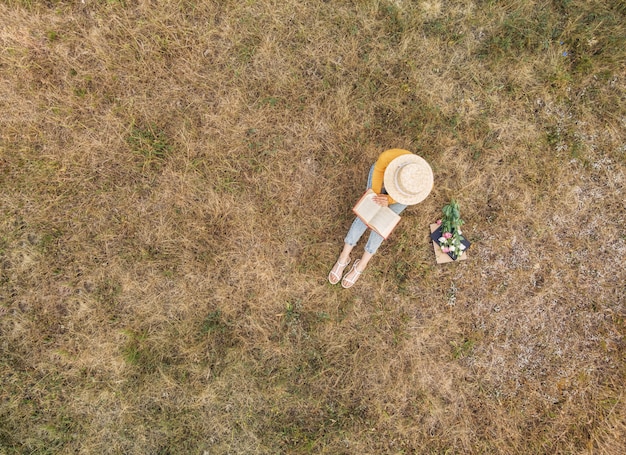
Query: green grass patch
point(150, 143)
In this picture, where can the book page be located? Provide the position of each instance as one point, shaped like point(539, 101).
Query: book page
point(366, 208)
point(378, 218)
point(384, 221)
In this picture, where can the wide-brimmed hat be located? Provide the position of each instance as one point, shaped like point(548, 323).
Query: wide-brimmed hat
point(408, 179)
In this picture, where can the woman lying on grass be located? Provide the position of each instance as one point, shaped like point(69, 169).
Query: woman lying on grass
point(399, 178)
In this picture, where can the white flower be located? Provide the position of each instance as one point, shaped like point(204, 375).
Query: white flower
point(458, 231)
point(442, 240)
point(462, 247)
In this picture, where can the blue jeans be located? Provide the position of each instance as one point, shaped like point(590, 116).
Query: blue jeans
point(358, 227)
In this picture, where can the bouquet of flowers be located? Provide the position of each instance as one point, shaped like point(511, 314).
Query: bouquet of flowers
point(450, 237)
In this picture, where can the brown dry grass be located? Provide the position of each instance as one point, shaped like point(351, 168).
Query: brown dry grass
point(176, 182)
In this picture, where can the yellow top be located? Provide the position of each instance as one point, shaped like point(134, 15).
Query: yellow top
point(379, 169)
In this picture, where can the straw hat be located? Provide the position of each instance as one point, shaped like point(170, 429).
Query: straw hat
point(408, 179)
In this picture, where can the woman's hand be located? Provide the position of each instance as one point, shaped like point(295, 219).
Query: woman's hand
point(381, 199)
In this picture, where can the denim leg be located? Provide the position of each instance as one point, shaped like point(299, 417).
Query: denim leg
point(358, 227)
point(369, 178)
point(374, 240)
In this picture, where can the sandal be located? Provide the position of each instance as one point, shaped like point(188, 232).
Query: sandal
point(337, 271)
point(348, 282)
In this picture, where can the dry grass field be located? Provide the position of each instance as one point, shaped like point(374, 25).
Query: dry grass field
point(176, 179)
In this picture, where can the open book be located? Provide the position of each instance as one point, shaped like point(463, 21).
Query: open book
point(378, 218)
